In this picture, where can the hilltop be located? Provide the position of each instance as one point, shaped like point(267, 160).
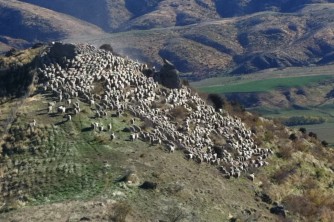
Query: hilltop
point(98, 137)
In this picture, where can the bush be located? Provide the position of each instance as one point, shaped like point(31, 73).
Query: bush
point(179, 112)
point(313, 135)
point(285, 152)
point(302, 120)
point(120, 211)
point(303, 130)
point(175, 214)
point(185, 82)
point(293, 137)
point(301, 205)
point(281, 175)
point(218, 101)
point(107, 47)
point(324, 143)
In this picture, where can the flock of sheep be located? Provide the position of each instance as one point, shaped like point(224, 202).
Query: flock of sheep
point(112, 85)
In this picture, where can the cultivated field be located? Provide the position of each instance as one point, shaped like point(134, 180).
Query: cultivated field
point(274, 79)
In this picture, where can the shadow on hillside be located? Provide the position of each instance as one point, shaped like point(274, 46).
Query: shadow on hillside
point(86, 129)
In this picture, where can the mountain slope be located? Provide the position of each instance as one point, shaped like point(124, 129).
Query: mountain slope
point(32, 24)
point(236, 45)
point(191, 34)
point(79, 139)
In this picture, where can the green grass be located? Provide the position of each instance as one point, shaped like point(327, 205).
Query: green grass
point(324, 131)
point(265, 85)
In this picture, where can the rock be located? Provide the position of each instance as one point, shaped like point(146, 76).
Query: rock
point(132, 178)
point(147, 185)
point(168, 76)
point(278, 210)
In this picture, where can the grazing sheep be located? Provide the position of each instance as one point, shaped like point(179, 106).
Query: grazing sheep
point(109, 126)
point(251, 176)
point(50, 109)
point(61, 109)
point(112, 136)
point(128, 90)
point(171, 147)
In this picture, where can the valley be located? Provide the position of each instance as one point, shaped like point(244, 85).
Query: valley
point(281, 94)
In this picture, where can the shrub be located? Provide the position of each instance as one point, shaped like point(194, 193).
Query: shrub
point(218, 101)
point(185, 82)
point(101, 139)
point(313, 135)
point(300, 205)
point(147, 124)
point(268, 136)
point(285, 152)
point(302, 120)
point(303, 130)
point(120, 211)
point(179, 112)
point(324, 143)
point(281, 175)
point(293, 137)
point(320, 173)
point(175, 214)
point(107, 47)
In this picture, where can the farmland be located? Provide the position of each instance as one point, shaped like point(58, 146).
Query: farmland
point(266, 84)
point(273, 83)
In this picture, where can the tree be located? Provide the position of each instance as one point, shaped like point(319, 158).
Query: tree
point(107, 47)
point(217, 100)
point(324, 143)
point(293, 137)
point(303, 130)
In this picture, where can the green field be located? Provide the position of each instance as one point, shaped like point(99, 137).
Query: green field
point(273, 79)
point(324, 130)
point(265, 85)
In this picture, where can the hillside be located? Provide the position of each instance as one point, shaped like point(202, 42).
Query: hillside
point(24, 24)
point(199, 37)
point(236, 45)
point(95, 138)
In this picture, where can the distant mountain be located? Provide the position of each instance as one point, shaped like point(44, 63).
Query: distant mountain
point(26, 23)
point(116, 15)
point(203, 36)
point(237, 45)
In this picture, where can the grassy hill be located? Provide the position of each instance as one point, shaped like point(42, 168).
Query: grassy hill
point(67, 167)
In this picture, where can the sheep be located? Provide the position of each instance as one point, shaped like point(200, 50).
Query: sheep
point(171, 147)
point(134, 136)
point(127, 89)
point(109, 126)
point(50, 109)
point(251, 176)
point(61, 109)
